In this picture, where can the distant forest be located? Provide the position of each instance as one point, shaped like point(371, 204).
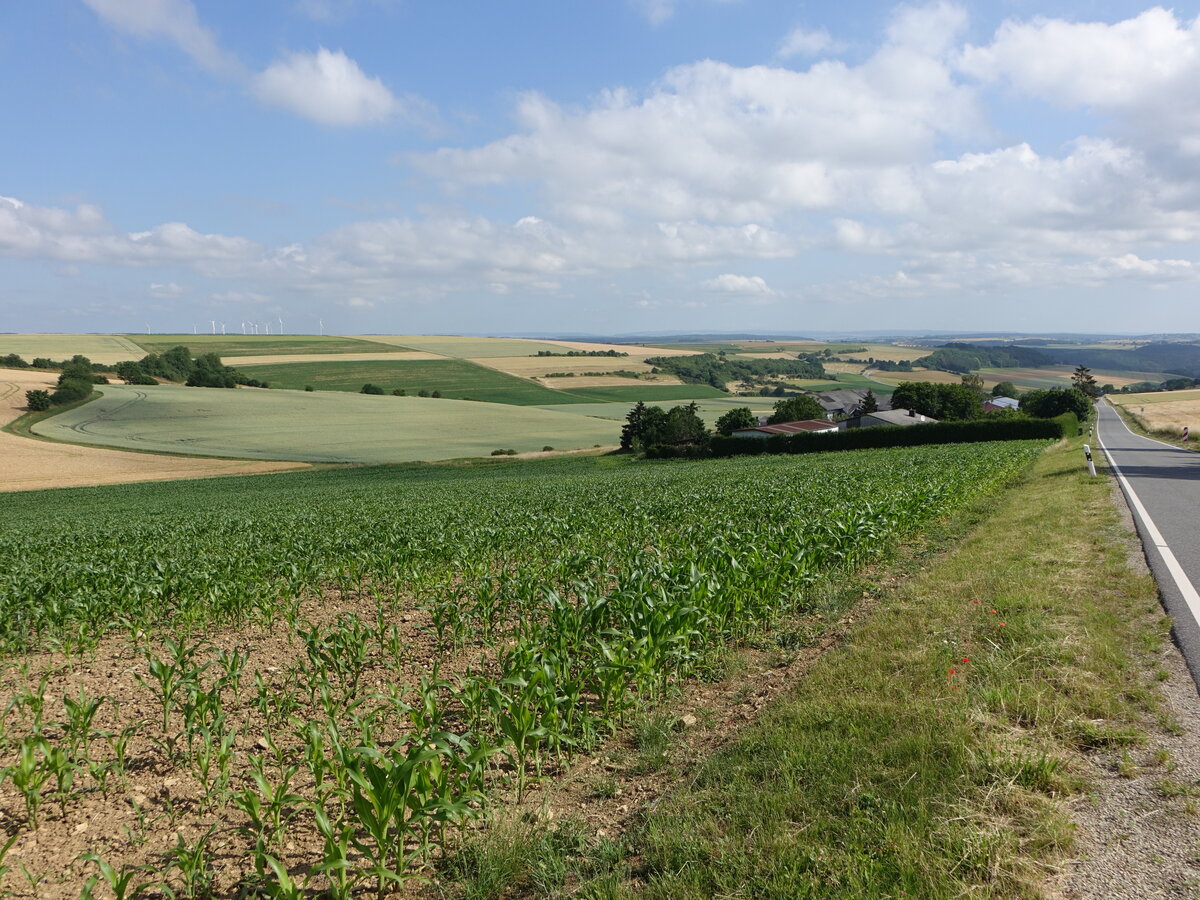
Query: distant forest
point(1176, 359)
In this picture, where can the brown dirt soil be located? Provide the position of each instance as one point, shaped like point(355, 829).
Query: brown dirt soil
point(36, 464)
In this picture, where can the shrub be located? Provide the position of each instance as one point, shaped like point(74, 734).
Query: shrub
point(509, 452)
point(371, 389)
point(71, 389)
point(38, 401)
point(436, 394)
point(547, 449)
point(142, 379)
point(1054, 402)
point(308, 387)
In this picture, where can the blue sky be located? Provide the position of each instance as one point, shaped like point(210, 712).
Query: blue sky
point(607, 167)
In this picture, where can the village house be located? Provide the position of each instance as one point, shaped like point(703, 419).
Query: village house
point(888, 417)
point(805, 426)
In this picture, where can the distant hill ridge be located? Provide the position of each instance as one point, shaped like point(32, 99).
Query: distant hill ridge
point(1168, 358)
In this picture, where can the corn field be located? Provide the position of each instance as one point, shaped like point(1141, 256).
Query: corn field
point(311, 684)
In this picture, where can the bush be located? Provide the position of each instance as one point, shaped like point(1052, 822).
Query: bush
point(71, 389)
point(547, 449)
point(890, 436)
point(371, 389)
point(1056, 401)
point(504, 452)
point(436, 394)
point(37, 401)
point(308, 388)
point(142, 379)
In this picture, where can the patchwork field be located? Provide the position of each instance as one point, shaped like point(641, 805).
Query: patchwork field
point(35, 465)
point(1060, 376)
point(322, 426)
point(386, 356)
point(101, 348)
point(469, 347)
point(233, 345)
point(1168, 410)
point(533, 366)
point(710, 408)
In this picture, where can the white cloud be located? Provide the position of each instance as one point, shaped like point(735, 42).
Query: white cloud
point(1144, 71)
point(164, 291)
point(655, 11)
point(172, 20)
point(806, 42)
point(327, 87)
point(358, 303)
point(737, 284)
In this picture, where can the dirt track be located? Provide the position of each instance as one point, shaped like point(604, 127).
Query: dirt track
point(27, 464)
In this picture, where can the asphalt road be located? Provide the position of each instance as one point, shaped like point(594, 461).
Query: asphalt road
point(1162, 484)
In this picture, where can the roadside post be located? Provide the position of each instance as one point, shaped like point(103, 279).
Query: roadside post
point(1185, 434)
point(1087, 451)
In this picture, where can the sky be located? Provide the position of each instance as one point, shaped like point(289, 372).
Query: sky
point(598, 166)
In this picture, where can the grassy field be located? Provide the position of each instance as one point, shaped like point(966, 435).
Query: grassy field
point(229, 345)
point(710, 408)
point(1060, 376)
point(455, 378)
point(322, 426)
point(101, 348)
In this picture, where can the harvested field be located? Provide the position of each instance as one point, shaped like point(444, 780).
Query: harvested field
point(1168, 410)
point(533, 366)
point(466, 347)
point(235, 345)
point(617, 381)
point(31, 464)
point(100, 348)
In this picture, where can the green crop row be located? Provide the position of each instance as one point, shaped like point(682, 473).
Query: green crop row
point(576, 591)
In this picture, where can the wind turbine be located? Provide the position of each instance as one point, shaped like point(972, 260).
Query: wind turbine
point(267, 325)
point(213, 324)
point(222, 328)
point(321, 322)
point(243, 327)
point(281, 325)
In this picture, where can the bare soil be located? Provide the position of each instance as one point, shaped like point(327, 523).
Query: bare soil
point(30, 464)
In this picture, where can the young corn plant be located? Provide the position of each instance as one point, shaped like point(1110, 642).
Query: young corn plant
point(124, 882)
point(30, 774)
point(81, 712)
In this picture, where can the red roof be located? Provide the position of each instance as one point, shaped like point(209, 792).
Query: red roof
point(794, 427)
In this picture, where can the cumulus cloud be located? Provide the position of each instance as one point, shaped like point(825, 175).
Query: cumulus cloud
point(327, 87)
point(165, 291)
point(172, 20)
point(737, 284)
point(805, 42)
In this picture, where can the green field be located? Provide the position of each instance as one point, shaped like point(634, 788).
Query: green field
point(321, 426)
point(710, 408)
point(257, 345)
point(560, 601)
point(465, 347)
point(101, 348)
point(456, 379)
point(1060, 376)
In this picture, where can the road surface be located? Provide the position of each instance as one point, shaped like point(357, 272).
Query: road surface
point(1162, 484)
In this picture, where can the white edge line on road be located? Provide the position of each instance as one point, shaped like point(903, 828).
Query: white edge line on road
point(1186, 588)
point(1121, 419)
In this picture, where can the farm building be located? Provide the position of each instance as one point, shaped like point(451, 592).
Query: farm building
point(993, 404)
point(809, 426)
point(888, 417)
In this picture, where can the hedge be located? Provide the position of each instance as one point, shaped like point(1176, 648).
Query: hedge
point(874, 437)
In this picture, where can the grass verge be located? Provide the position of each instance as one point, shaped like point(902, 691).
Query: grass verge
point(924, 756)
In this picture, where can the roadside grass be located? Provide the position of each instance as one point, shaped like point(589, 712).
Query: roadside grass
point(925, 756)
point(455, 379)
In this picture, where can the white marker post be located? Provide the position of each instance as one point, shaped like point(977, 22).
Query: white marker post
point(1087, 451)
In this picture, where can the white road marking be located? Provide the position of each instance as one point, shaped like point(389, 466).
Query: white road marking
point(1186, 588)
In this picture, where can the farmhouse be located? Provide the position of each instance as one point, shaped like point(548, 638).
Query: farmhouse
point(994, 404)
point(888, 417)
point(809, 426)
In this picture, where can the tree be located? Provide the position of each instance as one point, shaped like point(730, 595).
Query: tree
point(1006, 389)
point(370, 389)
point(1083, 380)
point(794, 409)
point(1056, 401)
point(938, 401)
point(437, 394)
point(741, 417)
point(632, 429)
point(683, 426)
point(868, 405)
point(37, 401)
point(974, 381)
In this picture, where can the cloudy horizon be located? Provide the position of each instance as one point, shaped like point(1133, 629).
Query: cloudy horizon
point(630, 167)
